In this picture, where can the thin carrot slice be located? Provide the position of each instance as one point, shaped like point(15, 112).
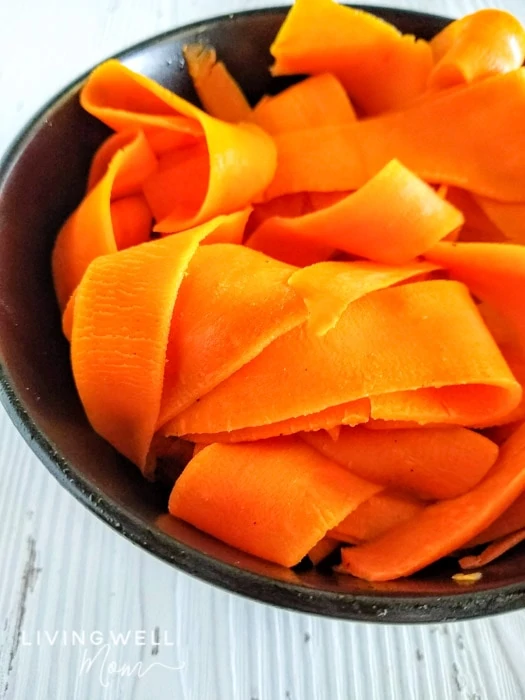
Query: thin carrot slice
point(477, 46)
point(139, 162)
point(219, 93)
point(353, 413)
point(322, 549)
point(506, 217)
point(493, 551)
point(131, 220)
point(231, 305)
point(382, 512)
point(458, 137)
point(319, 159)
point(275, 499)
point(120, 333)
point(411, 219)
point(327, 288)
point(478, 226)
point(445, 526)
point(431, 464)
point(425, 334)
point(317, 101)
point(380, 68)
point(239, 160)
point(512, 520)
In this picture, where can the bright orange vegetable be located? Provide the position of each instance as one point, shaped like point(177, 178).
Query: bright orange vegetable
point(317, 101)
point(322, 549)
point(329, 287)
point(275, 499)
point(430, 535)
point(120, 334)
point(239, 160)
point(139, 162)
point(434, 463)
point(352, 413)
point(387, 356)
point(220, 95)
point(459, 137)
point(494, 550)
point(478, 226)
point(379, 514)
point(477, 46)
point(380, 68)
point(411, 219)
point(131, 220)
point(232, 304)
point(507, 217)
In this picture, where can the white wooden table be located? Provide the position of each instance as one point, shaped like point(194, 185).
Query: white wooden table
point(68, 582)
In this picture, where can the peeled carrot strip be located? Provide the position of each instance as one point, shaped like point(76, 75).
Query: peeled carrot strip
point(329, 287)
point(121, 320)
point(477, 46)
point(232, 304)
point(410, 220)
point(382, 512)
point(493, 551)
point(459, 137)
point(319, 159)
point(132, 221)
point(442, 527)
point(380, 68)
point(434, 463)
point(478, 226)
point(494, 272)
point(89, 232)
point(322, 549)
point(137, 153)
point(353, 413)
point(291, 249)
point(506, 217)
point(220, 95)
point(275, 499)
point(125, 100)
point(317, 101)
point(239, 160)
point(388, 354)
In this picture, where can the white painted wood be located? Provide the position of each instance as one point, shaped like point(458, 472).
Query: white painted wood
point(64, 570)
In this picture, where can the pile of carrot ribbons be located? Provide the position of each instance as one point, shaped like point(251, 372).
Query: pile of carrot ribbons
point(325, 292)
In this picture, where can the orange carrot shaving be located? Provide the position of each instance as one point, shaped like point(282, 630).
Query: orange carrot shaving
point(413, 460)
point(317, 101)
point(131, 220)
point(379, 514)
point(275, 499)
point(220, 95)
point(495, 550)
point(380, 68)
point(322, 549)
point(429, 535)
point(477, 46)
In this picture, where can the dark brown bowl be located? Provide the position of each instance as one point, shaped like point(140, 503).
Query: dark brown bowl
point(41, 180)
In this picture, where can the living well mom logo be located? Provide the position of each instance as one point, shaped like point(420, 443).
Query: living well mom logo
point(103, 652)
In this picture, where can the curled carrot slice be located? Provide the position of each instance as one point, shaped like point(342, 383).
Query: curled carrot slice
point(120, 333)
point(512, 520)
point(387, 356)
point(434, 463)
point(237, 162)
point(445, 526)
point(220, 95)
point(507, 217)
point(285, 496)
point(131, 220)
point(478, 226)
point(411, 219)
point(379, 514)
point(477, 46)
point(380, 68)
point(329, 287)
point(232, 304)
point(493, 551)
point(317, 101)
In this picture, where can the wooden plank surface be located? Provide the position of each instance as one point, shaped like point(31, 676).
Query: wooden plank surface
point(68, 583)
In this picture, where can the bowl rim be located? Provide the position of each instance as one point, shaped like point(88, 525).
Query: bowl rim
point(365, 607)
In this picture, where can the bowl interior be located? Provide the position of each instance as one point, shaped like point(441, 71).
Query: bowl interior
point(42, 180)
